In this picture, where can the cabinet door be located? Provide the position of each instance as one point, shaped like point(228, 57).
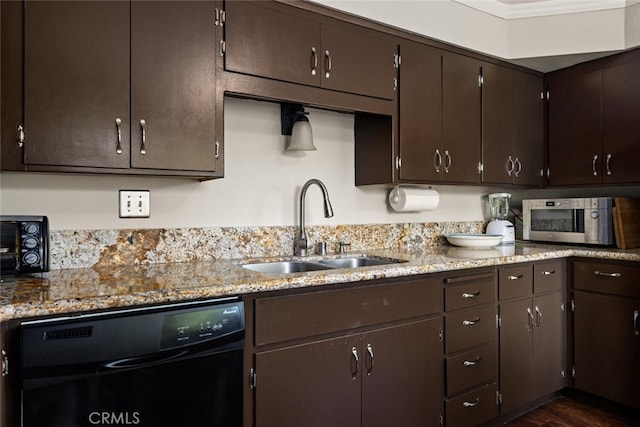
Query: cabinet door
point(272, 41)
point(421, 111)
point(575, 145)
point(461, 119)
point(498, 114)
point(620, 112)
point(173, 85)
point(316, 384)
point(76, 83)
point(607, 347)
point(529, 129)
point(358, 60)
point(516, 356)
point(549, 344)
point(402, 375)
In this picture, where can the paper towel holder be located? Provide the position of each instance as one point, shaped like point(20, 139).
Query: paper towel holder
point(427, 198)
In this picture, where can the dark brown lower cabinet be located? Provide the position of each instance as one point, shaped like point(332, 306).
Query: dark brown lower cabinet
point(532, 349)
point(607, 346)
point(388, 376)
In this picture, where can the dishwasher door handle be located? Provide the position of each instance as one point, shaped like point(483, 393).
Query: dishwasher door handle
point(142, 361)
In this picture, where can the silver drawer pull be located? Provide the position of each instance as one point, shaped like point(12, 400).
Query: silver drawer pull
point(593, 165)
point(118, 145)
point(472, 362)
point(370, 354)
point(600, 273)
point(471, 404)
point(143, 126)
point(471, 322)
point(354, 353)
point(636, 313)
point(473, 295)
point(519, 276)
point(548, 273)
point(314, 61)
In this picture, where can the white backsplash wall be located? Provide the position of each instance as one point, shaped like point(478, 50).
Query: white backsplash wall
point(260, 188)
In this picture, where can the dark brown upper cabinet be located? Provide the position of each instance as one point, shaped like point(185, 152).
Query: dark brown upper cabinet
point(593, 111)
point(459, 157)
point(512, 126)
point(285, 43)
point(119, 87)
point(420, 106)
point(439, 109)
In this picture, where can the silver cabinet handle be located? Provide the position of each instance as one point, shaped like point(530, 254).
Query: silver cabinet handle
point(437, 160)
point(519, 276)
point(593, 165)
point(609, 163)
point(468, 295)
point(529, 319)
point(314, 61)
point(471, 404)
point(354, 353)
point(603, 274)
point(118, 146)
point(548, 273)
point(327, 58)
point(472, 362)
point(636, 313)
point(370, 353)
point(538, 317)
point(216, 153)
point(143, 125)
point(509, 166)
point(447, 156)
point(20, 138)
point(518, 167)
point(470, 322)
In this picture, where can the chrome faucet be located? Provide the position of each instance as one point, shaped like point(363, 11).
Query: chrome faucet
point(301, 244)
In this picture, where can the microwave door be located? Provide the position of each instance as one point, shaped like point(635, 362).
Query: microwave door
point(557, 225)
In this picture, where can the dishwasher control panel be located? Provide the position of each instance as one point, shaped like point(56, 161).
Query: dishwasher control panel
point(202, 324)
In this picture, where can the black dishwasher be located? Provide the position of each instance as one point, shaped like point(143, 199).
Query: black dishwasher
point(164, 366)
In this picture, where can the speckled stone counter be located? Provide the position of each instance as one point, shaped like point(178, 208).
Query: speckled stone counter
point(101, 287)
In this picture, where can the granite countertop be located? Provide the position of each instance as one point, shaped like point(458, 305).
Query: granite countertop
point(85, 289)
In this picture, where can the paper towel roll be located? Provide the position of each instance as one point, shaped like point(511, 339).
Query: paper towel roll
point(413, 199)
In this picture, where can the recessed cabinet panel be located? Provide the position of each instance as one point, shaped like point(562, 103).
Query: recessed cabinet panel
point(264, 41)
point(76, 84)
point(529, 130)
point(549, 338)
point(173, 85)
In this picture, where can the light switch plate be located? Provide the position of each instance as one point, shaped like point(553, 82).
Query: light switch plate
point(134, 204)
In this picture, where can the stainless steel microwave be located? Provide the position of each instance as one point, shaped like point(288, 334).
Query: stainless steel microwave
point(582, 220)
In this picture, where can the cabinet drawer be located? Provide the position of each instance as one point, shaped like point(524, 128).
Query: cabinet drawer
point(548, 276)
point(471, 369)
point(469, 291)
point(472, 408)
point(290, 317)
point(470, 328)
point(516, 281)
point(614, 279)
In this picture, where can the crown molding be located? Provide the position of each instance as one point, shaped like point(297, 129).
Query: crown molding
point(529, 9)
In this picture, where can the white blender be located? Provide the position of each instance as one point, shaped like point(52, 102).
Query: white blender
point(499, 204)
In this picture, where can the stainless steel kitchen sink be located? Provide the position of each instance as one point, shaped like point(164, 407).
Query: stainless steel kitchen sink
point(356, 262)
point(287, 267)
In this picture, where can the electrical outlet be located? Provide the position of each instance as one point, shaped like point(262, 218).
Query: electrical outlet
point(134, 204)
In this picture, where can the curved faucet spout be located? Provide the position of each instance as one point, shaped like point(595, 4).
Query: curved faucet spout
point(301, 244)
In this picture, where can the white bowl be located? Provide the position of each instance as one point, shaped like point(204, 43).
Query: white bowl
point(479, 241)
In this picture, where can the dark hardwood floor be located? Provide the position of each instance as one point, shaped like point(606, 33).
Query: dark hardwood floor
point(568, 412)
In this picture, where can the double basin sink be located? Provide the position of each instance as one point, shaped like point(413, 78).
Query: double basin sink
point(297, 266)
